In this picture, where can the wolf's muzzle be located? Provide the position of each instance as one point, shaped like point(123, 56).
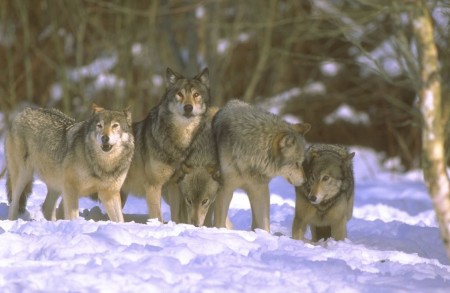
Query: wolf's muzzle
point(312, 198)
point(106, 147)
point(188, 108)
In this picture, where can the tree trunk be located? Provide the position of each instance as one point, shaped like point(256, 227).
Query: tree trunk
point(433, 156)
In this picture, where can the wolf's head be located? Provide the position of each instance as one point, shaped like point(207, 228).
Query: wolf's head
point(326, 175)
point(198, 186)
point(187, 97)
point(289, 149)
point(111, 128)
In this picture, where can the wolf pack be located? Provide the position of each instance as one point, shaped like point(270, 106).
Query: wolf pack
point(186, 151)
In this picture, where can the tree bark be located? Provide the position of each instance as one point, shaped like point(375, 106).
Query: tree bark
point(433, 155)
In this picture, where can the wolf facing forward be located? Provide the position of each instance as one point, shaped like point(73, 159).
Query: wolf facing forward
point(325, 201)
point(164, 137)
point(253, 147)
point(75, 159)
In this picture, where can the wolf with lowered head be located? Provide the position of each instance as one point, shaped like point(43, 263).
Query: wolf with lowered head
point(253, 147)
point(192, 190)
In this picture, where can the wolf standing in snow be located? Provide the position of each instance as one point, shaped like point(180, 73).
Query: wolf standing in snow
point(75, 159)
point(325, 201)
point(253, 147)
point(192, 190)
point(164, 137)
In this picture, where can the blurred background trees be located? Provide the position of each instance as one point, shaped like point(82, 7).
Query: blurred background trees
point(348, 67)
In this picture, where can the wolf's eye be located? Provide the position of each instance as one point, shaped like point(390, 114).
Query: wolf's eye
point(325, 178)
point(115, 125)
point(180, 94)
point(205, 201)
point(99, 126)
point(188, 201)
point(196, 95)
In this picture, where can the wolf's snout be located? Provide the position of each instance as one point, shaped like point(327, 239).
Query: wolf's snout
point(105, 139)
point(188, 108)
point(312, 198)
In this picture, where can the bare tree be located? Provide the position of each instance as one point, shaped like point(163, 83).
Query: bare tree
point(433, 156)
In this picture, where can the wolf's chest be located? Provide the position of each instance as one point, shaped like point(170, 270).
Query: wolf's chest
point(185, 131)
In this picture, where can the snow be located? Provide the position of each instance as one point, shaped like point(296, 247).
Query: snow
point(393, 245)
point(349, 114)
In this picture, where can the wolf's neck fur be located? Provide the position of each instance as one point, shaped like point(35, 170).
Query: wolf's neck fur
point(173, 135)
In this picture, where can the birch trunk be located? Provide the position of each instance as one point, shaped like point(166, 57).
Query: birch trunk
point(433, 155)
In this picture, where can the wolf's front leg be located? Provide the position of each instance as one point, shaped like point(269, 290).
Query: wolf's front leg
point(112, 203)
point(70, 202)
point(49, 205)
point(173, 197)
point(259, 196)
point(339, 229)
point(153, 198)
point(298, 228)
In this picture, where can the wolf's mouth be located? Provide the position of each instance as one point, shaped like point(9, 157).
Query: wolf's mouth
point(106, 147)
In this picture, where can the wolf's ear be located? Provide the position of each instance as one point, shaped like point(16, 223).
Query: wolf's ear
point(349, 157)
point(287, 141)
point(172, 77)
point(203, 77)
point(314, 154)
point(127, 113)
point(302, 128)
point(280, 141)
point(214, 170)
point(96, 108)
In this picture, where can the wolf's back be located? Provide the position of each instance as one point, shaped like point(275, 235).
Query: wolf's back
point(247, 130)
point(42, 130)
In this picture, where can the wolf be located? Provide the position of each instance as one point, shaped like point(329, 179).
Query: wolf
point(325, 201)
point(72, 158)
point(192, 190)
point(253, 147)
point(164, 137)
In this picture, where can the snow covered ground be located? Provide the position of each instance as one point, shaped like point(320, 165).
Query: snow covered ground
point(393, 245)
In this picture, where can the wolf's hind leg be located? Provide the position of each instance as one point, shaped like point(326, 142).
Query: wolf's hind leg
point(19, 187)
point(222, 204)
point(259, 197)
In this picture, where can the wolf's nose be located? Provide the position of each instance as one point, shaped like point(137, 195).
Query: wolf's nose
point(188, 108)
point(312, 198)
point(105, 139)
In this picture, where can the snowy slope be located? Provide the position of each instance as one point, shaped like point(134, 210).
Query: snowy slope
point(393, 245)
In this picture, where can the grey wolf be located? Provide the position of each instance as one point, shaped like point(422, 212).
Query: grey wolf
point(253, 147)
point(164, 137)
point(73, 158)
point(192, 190)
point(325, 201)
